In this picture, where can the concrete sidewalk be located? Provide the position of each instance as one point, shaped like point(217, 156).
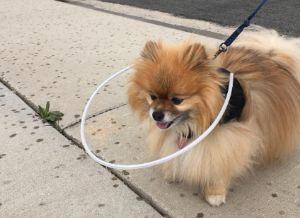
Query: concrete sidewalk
point(43, 174)
point(58, 52)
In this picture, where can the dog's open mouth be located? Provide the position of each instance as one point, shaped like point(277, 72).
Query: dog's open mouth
point(164, 125)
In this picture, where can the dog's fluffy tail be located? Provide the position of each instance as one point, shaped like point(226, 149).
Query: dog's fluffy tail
point(283, 50)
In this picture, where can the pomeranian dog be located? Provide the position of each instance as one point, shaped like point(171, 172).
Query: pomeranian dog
point(177, 90)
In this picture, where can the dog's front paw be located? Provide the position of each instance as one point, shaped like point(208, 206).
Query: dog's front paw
point(216, 200)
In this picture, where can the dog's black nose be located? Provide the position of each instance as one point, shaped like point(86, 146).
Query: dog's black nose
point(158, 115)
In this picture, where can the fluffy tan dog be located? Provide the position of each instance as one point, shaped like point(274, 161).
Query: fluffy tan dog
point(178, 89)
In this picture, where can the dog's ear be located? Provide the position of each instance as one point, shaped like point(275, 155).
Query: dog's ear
point(150, 51)
point(194, 56)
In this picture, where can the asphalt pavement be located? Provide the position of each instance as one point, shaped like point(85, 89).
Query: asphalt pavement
point(281, 15)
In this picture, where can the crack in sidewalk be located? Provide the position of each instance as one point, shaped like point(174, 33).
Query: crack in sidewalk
point(94, 115)
point(119, 174)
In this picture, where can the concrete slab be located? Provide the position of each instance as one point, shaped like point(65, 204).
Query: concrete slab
point(116, 132)
point(273, 192)
point(57, 52)
point(42, 174)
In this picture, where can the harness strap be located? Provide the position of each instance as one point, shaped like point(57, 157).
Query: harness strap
point(236, 102)
point(233, 111)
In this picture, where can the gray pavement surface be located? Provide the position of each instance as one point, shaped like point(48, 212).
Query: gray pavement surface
point(272, 192)
point(62, 59)
point(276, 14)
point(42, 174)
point(58, 52)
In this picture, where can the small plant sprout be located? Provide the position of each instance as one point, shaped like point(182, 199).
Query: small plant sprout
point(52, 117)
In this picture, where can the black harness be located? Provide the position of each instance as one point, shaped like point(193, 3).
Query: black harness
point(236, 102)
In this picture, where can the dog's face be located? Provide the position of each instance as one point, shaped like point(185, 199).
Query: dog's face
point(175, 86)
point(167, 108)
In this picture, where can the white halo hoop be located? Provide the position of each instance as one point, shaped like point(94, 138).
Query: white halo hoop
point(163, 159)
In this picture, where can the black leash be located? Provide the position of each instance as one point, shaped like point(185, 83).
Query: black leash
point(223, 46)
point(237, 100)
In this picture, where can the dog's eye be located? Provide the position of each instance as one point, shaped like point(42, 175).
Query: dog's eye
point(176, 100)
point(153, 97)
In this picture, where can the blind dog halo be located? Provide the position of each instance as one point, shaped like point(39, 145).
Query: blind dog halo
point(158, 161)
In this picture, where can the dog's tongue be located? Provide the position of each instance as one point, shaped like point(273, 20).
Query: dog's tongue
point(181, 142)
point(162, 125)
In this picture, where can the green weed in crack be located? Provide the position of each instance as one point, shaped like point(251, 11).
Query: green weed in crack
point(52, 117)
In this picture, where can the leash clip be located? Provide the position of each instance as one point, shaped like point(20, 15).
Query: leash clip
point(222, 48)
